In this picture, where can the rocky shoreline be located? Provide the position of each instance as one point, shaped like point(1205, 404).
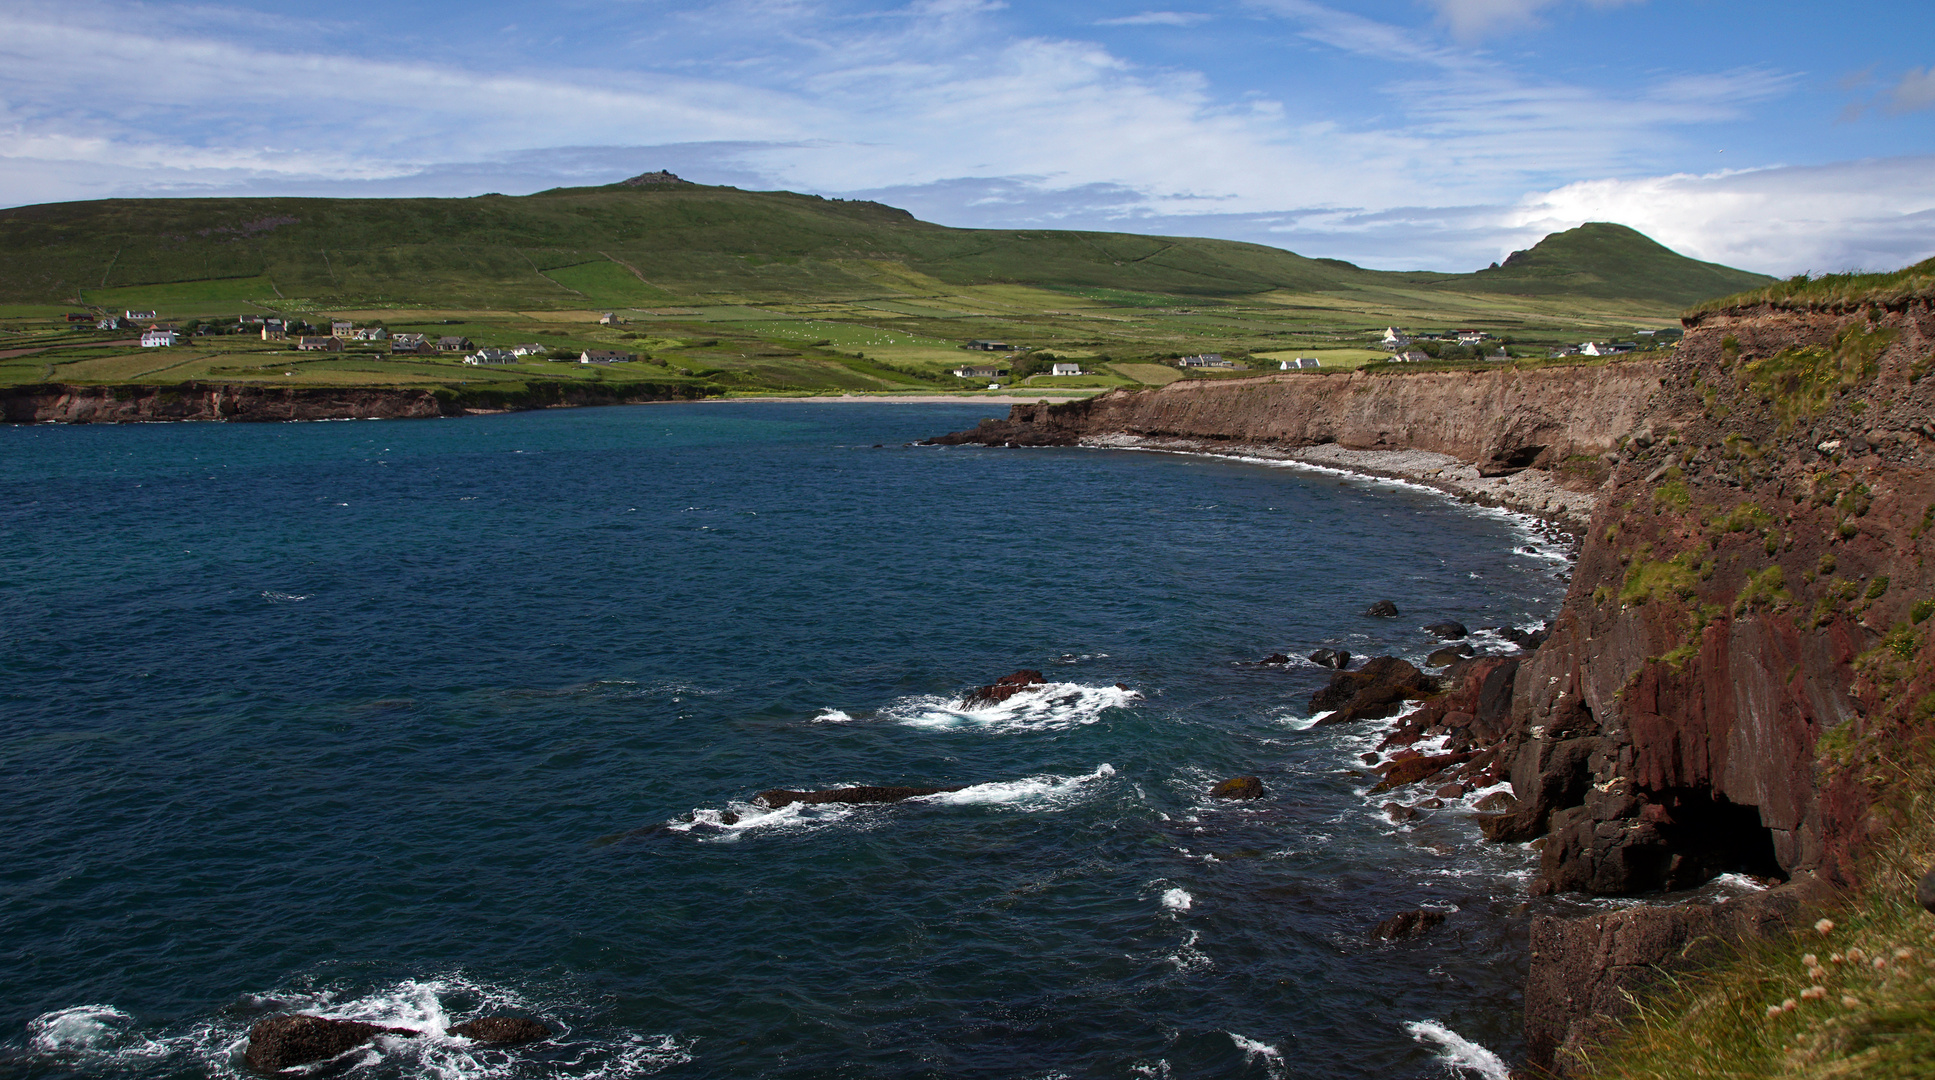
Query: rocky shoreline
point(1742, 637)
point(247, 402)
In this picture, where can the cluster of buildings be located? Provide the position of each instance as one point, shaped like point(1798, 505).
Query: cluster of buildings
point(1395, 340)
point(1205, 360)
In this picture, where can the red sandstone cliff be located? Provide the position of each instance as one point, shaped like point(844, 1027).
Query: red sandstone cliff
point(249, 402)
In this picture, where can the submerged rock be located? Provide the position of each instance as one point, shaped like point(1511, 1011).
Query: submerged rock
point(1241, 787)
point(1331, 658)
point(1450, 654)
point(1497, 802)
point(779, 797)
point(1448, 630)
point(501, 1029)
point(1407, 924)
point(1383, 609)
point(1399, 813)
point(1003, 688)
point(1413, 769)
point(1274, 658)
point(284, 1042)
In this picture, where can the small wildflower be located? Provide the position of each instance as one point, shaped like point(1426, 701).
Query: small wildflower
point(1904, 953)
point(1856, 956)
point(1817, 974)
point(1835, 958)
point(1881, 962)
point(1814, 993)
point(1825, 926)
point(1789, 1005)
point(1773, 1011)
point(1809, 960)
point(1850, 1001)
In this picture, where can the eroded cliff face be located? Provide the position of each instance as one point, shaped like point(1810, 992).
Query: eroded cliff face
point(59, 403)
point(1560, 418)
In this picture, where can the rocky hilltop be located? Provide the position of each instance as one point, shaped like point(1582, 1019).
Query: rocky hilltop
point(1745, 638)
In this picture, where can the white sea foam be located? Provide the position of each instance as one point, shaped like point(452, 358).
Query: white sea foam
point(1044, 793)
point(1047, 707)
point(1189, 958)
point(282, 597)
point(101, 1038)
point(1177, 899)
point(1461, 1056)
point(1270, 1056)
point(832, 716)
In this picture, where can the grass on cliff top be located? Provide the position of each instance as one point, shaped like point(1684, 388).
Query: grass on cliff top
point(1832, 291)
point(1864, 1010)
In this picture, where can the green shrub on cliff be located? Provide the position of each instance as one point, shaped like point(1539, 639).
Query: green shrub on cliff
point(1799, 384)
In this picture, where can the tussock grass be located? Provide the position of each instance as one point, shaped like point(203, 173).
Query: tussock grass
point(1832, 291)
point(1851, 997)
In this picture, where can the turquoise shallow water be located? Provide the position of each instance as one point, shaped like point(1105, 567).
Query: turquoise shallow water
point(413, 720)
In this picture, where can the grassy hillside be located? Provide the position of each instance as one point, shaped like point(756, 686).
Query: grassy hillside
point(1833, 290)
point(684, 243)
point(1604, 260)
point(738, 291)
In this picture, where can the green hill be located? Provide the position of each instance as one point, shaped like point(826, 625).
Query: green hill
point(677, 243)
point(1602, 260)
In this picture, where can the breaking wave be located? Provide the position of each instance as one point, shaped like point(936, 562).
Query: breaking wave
point(1460, 1055)
point(1045, 707)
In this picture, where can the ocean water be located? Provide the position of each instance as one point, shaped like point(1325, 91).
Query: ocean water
point(414, 721)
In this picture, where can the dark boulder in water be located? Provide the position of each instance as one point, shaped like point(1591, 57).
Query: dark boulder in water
point(1372, 692)
point(1450, 654)
point(1383, 609)
point(1925, 892)
point(1331, 658)
point(1003, 688)
point(1241, 787)
point(1275, 658)
point(1407, 924)
point(1525, 639)
point(1448, 630)
point(501, 1029)
point(779, 797)
point(284, 1042)
point(1399, 813)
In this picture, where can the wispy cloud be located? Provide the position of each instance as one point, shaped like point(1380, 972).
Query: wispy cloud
point(1472, 19)
point(1157, 18)
point(1915, 91)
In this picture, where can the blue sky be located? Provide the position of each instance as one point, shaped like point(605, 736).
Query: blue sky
point(1778, 136)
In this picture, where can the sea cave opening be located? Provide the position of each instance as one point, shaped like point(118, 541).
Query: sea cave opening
point(1710, 835)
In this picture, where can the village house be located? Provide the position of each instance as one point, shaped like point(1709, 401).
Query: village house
point(341, 328)
point(1606, 348)
point(319, 344)
point(108, 322)
point(1064, 368)
point(453, 344)
point(533, 349)
point(980, 371)
point(605, 356)
point(1299, 363)
point(154, 339)
point(79, 317)
point(1395, 339)
point(371, 333)
point(609, 318)
point(139, 316)
point(1204, 360)
point(490, 356)
point(986, 345)
point(1471, 337)
point(409, 343)
point(1412, 356)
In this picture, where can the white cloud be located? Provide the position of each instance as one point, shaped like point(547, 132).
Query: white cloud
point(1157, 18)
point(1471, 19)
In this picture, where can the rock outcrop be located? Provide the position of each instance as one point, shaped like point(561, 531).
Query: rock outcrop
point(1407, 924)
point(779, 797)
point(1241, 787)
point(1372, 692)
point(502, 1030)
point(284, 1042)
point(1002, 689)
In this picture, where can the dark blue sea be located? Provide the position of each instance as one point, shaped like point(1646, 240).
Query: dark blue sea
point(414, 721)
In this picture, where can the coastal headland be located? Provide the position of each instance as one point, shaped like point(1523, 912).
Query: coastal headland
point(1740, 676)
